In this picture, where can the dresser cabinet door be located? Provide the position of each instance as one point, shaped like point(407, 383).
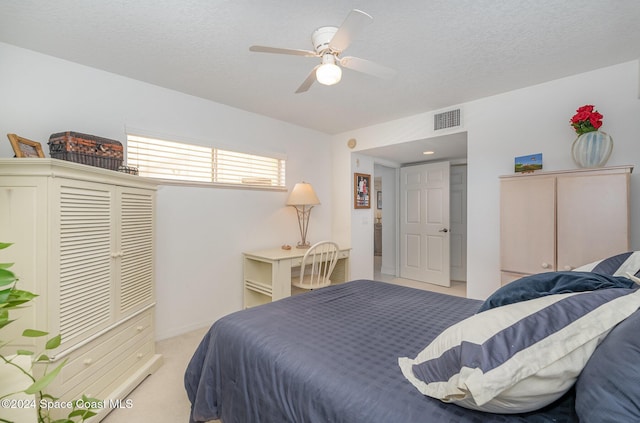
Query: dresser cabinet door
point(527, 225)
point(135, 241)
point(83, 258)
point(593, 218)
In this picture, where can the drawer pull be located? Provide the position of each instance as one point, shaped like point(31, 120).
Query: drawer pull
point(88, 361)
point(139, 356)
point(140, 328)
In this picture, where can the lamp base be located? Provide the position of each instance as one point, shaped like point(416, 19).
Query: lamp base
point(303, 246)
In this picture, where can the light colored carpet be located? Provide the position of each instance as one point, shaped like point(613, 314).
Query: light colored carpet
point(161, 397)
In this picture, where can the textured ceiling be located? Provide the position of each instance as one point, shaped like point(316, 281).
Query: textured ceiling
point(445, 52)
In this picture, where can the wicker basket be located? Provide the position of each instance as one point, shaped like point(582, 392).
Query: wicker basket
point(86, 149)
point(128, 169)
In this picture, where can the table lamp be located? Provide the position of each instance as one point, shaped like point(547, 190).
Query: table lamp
point(303, 198)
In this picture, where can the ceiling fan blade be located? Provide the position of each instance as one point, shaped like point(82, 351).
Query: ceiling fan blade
point(354, 23)
point(308, 82)
point(276, 50)
point(368, 67)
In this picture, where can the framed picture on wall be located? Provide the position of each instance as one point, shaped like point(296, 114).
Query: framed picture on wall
point(379, 193)
point(361, 191)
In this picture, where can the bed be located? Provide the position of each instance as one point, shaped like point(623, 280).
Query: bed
point(333, 355)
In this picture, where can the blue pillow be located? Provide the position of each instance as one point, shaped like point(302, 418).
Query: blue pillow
point(608, 389)
point(520, 357)
point(550, 283)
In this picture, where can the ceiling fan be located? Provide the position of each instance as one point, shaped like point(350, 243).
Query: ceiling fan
point(329, 42)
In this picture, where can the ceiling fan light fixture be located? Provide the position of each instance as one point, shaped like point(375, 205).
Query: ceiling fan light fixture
point(328, 73)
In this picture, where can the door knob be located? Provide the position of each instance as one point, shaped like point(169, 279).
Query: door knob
point(445, 230)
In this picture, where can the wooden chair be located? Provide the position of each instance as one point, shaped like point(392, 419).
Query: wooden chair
point(321, 258)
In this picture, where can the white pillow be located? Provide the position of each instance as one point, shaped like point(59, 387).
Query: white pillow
point(618, 265)
point(518, 357)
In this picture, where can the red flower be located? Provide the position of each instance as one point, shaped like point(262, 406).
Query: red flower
point(596, 120)
point(587, 108)
point(580, 116)
point(586, 119)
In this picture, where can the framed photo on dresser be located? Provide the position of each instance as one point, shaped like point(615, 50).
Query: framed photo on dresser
point(23, 147)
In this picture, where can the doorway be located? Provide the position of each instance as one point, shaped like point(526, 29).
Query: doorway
point(384, 228)
point(451, 147)
point(386, 181)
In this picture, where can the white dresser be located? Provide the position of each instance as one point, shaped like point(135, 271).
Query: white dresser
point(84, 242)
point(557, 221)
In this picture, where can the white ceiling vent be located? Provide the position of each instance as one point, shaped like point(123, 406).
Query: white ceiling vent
point(448, 119)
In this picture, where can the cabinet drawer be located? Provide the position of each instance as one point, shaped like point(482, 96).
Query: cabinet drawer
point(94, 361)
point(114, 374)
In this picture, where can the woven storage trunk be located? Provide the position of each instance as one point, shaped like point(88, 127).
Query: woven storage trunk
point(86, 149)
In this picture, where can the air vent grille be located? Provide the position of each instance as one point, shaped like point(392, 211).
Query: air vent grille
point(448, 119)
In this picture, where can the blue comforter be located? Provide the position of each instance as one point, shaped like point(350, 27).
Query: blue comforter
point(331, 356)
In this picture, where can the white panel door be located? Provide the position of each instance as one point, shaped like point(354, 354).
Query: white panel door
point(424, 223)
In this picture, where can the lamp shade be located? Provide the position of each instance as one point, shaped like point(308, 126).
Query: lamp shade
point(302, 194)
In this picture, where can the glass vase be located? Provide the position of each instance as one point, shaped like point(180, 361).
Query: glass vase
point(592, 149)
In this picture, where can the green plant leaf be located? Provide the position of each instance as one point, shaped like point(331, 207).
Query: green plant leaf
point(6, 277)
point(43, 357)
point(87, 399)
point(4, 295)
point(85, 414)
point(17, 297)
point(33, 333)
point(45, 380)
point(5, 322)
point(4, 245)
point(6, 265)
point(19, 294)
point(53, 342)
point(24, 352)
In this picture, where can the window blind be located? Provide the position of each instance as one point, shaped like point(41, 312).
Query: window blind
point(172, 160)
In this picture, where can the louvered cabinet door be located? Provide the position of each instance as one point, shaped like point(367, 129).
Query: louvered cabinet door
point(83, 258)
point(135, 284)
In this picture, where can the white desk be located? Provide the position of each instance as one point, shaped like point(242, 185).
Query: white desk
point(267, 273)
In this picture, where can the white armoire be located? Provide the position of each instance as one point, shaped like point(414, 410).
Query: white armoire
point(83, 240)
point(556, 221)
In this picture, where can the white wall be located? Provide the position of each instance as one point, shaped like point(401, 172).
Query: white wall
point(525, 121)
point(201, 232)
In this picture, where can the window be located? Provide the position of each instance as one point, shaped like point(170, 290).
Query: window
point(175, 161)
